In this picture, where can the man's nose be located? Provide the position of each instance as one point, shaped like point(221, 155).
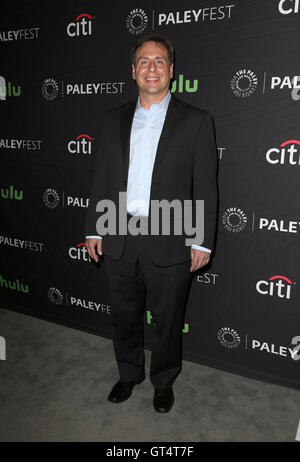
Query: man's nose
point(152, 66)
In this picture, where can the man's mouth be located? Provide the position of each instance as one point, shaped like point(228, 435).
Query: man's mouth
point(152, 79)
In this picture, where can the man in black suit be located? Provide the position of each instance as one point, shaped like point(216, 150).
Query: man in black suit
point(154, 148)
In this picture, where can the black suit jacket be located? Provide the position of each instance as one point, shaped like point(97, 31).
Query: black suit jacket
point(185, 168)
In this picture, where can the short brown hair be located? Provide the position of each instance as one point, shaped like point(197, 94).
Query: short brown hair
point(153, 38)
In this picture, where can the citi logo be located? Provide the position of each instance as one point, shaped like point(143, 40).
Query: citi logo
point(279, 286)
point(14, 285)
point(184, 85)
point(81, 145)
point(288, 6)
point(81, 26)
point(11, 193)
point(287, 154)
point(8, 89)
point(79, 252)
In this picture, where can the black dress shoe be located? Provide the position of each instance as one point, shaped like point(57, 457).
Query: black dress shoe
point(122, 390)
point(163, 399)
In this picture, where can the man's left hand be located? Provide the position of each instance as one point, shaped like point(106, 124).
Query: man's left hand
point(199, 258)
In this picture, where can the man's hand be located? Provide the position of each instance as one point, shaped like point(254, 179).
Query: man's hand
point(92, 243)
point(199, 258)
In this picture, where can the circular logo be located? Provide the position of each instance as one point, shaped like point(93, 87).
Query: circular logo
point(137, 21)
point(228, 337)
point(50, 89)
point(234, 220)
point(51, 198)
point(55, 296)
point(244, 83)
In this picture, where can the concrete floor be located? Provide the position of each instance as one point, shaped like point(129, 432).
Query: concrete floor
point(55, 381)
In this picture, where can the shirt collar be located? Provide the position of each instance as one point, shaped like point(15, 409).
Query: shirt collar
point(162, 105)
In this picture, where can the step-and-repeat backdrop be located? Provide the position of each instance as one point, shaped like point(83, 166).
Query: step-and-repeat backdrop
point(63, 65)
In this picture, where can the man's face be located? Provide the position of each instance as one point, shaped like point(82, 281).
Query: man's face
point(152, 70)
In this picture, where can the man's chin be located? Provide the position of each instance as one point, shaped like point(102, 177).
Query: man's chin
point(153, 91)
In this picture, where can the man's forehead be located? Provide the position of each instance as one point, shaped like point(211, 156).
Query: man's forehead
point(150, 49)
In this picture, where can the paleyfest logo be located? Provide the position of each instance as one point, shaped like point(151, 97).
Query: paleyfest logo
point(137, 21)
point(244, 83)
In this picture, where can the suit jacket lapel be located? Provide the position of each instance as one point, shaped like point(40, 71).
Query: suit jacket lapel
point(126, 120)
point(170, 128)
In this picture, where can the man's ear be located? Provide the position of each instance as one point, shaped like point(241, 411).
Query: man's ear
point(171, 71)
point(133, 71)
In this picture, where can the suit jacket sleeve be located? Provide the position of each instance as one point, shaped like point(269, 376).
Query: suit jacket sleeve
point(205, 177)
point(98, 183)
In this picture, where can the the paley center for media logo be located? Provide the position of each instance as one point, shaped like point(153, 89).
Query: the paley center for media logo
point(234, 219)
point(244, 83)
point(55, 296)
point(229, 338)
point(137, 21)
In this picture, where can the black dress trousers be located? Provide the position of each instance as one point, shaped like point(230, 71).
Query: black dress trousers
point(131, 279)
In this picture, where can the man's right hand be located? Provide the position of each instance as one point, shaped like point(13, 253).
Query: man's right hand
point(92, 244)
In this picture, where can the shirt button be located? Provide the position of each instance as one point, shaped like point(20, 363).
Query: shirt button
point(142, 186)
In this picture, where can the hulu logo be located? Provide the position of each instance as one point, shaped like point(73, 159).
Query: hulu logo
point(184, 85)
point(14, 285)
point(8, 89)
point(11, 193)
point(149, 321)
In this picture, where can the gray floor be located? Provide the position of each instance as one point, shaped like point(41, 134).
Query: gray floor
point(55, 381)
